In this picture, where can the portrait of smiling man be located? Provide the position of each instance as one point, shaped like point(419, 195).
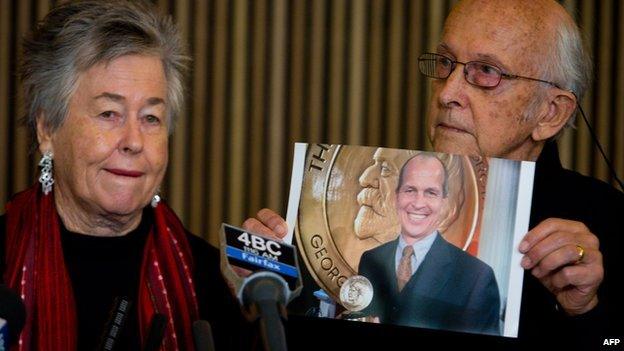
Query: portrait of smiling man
point(420, 279)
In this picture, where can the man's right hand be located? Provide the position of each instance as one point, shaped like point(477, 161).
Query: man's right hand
point(268, 223)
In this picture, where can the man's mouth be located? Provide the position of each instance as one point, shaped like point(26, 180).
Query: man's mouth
point(451, 128)
point(416, 216)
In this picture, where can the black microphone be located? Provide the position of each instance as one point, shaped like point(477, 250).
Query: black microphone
point(115, 324)
point(156, 332)
point(264, 275)
point(12, 317)
point(264, 295)
point(202, 333)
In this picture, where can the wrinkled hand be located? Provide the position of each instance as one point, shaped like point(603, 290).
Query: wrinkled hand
point(551, 253)
point(267, 223)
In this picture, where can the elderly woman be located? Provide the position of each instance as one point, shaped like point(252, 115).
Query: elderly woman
point(103, 82)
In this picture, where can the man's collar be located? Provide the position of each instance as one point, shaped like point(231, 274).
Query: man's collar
point(425, 242)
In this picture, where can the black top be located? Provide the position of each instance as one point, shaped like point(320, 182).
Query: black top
point(557, 193)
point(103, 268)
point(561, 193)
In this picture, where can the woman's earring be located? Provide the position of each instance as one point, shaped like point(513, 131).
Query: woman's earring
point(155, 200)
point(46, 179)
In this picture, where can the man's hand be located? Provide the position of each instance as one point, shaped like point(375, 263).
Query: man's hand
point(564, 255)
point(267, 223)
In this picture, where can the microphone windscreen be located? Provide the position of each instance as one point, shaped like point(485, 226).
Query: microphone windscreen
point(202, 333)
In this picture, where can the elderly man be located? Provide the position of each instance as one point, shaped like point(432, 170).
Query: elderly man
point(507, 79)
point(421, 280)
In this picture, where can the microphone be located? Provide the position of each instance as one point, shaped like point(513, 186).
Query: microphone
point(115, 324)
point(202, 333)
point(264, 294)
point(264, 275)
point(12, 317)
point(156, 332)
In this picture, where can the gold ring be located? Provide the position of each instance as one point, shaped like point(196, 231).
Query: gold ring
point(581, 254)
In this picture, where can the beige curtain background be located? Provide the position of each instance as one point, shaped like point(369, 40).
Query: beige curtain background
point(268, 73)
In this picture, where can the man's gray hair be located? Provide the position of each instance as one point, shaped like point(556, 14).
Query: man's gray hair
point(76, 36)
point(570, 64)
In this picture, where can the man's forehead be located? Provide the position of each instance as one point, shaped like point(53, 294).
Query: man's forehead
point(511, 9)
point(421, 167)
point(426, 173)
point(501, 29)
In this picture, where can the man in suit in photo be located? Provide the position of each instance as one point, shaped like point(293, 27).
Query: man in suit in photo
point(420, 279)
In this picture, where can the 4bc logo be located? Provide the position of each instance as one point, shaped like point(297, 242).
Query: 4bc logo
point(261, 245)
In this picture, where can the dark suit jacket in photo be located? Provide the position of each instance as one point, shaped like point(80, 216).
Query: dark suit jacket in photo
point(450, 290)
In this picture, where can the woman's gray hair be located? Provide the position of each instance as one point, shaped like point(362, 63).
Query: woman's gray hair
point(570, 64)
point(76, 36)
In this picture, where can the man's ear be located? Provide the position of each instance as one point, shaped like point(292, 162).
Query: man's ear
point(44, 136)
point(561, 106)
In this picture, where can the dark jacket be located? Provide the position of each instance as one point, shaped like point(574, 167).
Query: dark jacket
point(561, 193)
point(450, 290)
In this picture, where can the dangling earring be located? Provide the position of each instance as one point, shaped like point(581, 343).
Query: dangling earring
point(155, 200)
point(46, 179)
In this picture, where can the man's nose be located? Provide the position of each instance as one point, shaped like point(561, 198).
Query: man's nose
point(418, 201)
point(452, 90)
point(370, 178)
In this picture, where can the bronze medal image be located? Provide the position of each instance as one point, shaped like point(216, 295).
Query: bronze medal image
point(347, 206)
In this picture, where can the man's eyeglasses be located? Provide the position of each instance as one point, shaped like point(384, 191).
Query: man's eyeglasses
point(477, 73)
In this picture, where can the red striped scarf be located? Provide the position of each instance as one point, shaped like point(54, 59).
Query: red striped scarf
point(36, 268)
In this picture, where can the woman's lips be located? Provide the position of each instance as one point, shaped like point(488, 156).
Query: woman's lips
point(125, 172)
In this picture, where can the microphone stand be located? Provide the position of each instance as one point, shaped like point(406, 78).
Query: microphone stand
point(264, 295)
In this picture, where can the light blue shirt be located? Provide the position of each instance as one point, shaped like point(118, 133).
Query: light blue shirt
point(421, 247)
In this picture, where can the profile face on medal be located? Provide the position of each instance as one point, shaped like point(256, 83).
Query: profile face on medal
point(377, 216)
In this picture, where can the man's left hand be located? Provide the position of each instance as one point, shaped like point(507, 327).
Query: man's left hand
point(564, 255)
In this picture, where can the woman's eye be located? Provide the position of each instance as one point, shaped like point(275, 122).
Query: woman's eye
point(107, 114)
point(152, 119)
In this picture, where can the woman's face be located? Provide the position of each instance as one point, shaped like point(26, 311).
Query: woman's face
point(110, 154)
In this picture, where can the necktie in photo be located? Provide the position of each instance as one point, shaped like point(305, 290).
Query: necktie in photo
point(404, 272)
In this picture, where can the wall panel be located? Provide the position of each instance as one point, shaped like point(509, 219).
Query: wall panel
point(267, 73)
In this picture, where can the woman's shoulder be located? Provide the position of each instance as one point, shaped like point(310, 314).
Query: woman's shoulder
point(202, 250)
point(206, 262)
